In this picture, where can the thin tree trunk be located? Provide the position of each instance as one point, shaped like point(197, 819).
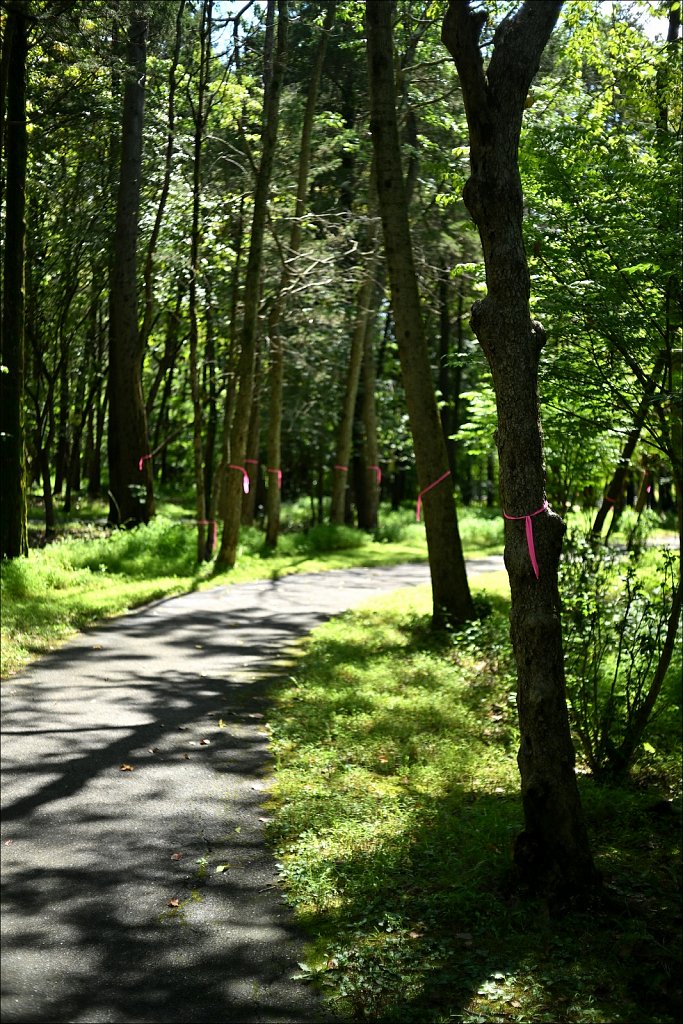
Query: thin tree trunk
point(368, 513)
point(340, 474)
point(130, 472)
point(613, 494)
point(245, 373)
point(552, 853)
point(450, 590)
point(273, 469)
point(13, 513)
point(148, 274)
point(197, 397)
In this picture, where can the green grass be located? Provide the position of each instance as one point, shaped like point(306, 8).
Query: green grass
point(396, 804)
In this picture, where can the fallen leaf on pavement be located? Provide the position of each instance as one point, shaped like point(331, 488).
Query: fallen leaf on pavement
point(221, 723)
point(204, 743)
point(177, 856)
point(173, 903)
point(127, 768)
point(220, 868)
point(153, 750)
point(186, 756)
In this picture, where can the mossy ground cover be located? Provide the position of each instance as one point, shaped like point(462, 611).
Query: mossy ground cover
point(395, 808)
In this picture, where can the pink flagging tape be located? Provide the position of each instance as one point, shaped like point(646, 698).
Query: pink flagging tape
point(210, 522)
point(251, 462)
point(245, 477)
point(279, 477)
point(424, 491)
point(342, 469)
point(529, 526)
point(142, 459)
point(378, 473)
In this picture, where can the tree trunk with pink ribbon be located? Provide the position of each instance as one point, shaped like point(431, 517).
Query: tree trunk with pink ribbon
point(552, 853)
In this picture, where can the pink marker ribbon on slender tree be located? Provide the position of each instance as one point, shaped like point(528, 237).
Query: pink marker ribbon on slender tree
point(342, 469)
point(142, 460)
point(378, 473)
point(529, 526)
point(279, 477)
point(245, 477)
point(424, 491)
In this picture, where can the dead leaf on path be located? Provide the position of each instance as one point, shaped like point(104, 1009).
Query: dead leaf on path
point(153, 750)
point(173, 903)
point(127, 768)
point(221, 724)
point(265, 820)
point(186, 756)
point(177, 856)
point(199, 647)
point(220, 868)
point(96, 647)
point(8, 842)
point(255, 714)
point(204, 743)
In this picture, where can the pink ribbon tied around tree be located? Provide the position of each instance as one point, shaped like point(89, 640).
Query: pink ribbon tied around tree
point(378, 473)
point(529, 526)
point(424, 491)
point(342, 469)
point(142, 459)
point(245, 477)
point(279, 477)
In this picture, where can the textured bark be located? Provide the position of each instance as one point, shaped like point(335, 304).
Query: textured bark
point(277, 366)
point(552, 853)
point(130, 487)
point(245, 370)
point(13, 516)
point(451, 596)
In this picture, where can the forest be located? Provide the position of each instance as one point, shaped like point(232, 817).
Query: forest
point(299, 285)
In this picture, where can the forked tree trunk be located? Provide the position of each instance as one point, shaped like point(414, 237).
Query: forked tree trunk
point(130, 472)
point(552, 853)
point(450, 590)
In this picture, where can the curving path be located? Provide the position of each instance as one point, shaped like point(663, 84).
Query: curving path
point(87, 865)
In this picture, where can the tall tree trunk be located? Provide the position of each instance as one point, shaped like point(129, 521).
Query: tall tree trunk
point(130, 472)
point(148, 274)
point(552, 853)
point(251, 461)
point(450, 590)
point(245, 372)
point(13, 514)
point(197, 397)
point(273, 469)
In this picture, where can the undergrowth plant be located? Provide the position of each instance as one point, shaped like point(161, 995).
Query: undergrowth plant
point(620, 624)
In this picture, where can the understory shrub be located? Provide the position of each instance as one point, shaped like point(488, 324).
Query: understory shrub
point(620, 626)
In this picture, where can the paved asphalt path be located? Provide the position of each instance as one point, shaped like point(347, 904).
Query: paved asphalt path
point(87, 865)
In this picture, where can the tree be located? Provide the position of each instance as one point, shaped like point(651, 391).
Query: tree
point(130, 473)
point(252, 290)
point(13, 525)
point(451, 596)
point(552, 853)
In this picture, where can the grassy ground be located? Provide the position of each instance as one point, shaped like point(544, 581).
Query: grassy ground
point(91, 573)
point(395, 809)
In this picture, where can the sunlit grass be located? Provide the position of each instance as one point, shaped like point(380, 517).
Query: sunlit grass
point(396, 805)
